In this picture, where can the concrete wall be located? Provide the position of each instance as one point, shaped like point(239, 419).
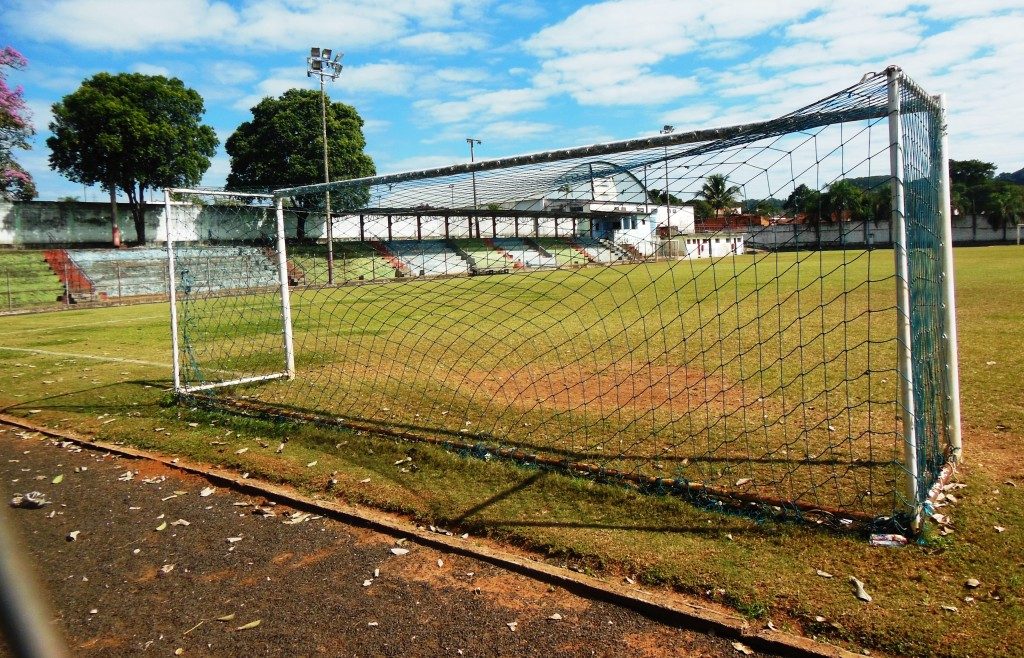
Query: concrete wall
point(966, 230)
point(56, 223)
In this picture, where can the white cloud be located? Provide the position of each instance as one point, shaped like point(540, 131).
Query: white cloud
point(152, 69)
point(514, 130)
point(501, 102)
point(448, 43)
point(417, 162)
point(381, 78)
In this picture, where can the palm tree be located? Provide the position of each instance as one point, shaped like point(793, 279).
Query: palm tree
point(718, 194)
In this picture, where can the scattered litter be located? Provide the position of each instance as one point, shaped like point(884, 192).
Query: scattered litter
point(128, 475)
point(162, 526)
point(234, 540)
point(57, 480)
point(367, 582)
point(180, 522)
point(73, 535)
point(770, 626)
point(373, 623)
point(819, 619)
point(999, 528)
point(180, 493)
point(264, 511)
point(823, 574)
point(166, 498)
point(207, 491)
point(298, 517)
point(35, 411)
point(742, 648)
point(990, 363)
point(167, 568)
point(972, 583)
point(950, 608)
point(464, 535)
point(376, 573)
point(399, 551)
point(312, 464)
point(156, 479)
point(280, 449)
point(180, 651)
point(888, 540)
point(555, 617)
point(31, 500)
point(241, 504)
point(242, 451)
point(94, 611)
point(193, 424)
point(512, 625)
point(245, 627)
point(403, 461)
point(630, 580)
point(364, 480)
point(742, 481)
point(859, 591)
point(159, 429)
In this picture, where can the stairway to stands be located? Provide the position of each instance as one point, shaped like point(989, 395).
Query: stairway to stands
point(524, 253)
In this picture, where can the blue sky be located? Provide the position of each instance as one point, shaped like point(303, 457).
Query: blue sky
point(525, 75)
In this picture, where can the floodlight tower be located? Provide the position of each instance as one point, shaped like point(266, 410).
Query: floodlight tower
point(320, 64)
point(472, 142)
point(667, 130)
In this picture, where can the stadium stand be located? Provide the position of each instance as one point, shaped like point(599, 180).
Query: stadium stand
point(563, 251)
point(353, 261)
point(522, 252)
point(27, 280)
point(428, 257)
point(482, 258)
point(599, 251)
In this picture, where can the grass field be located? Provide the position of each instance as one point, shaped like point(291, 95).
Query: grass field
point(104, 372)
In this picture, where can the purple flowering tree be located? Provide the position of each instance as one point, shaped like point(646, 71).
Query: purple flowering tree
point(15, 131)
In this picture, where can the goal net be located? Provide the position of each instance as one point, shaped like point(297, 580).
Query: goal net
point(757, 316)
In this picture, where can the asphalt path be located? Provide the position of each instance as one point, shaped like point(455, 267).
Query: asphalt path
point(160, 564)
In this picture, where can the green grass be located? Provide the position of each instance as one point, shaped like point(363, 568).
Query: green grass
point(27, 281)
point(766, 570)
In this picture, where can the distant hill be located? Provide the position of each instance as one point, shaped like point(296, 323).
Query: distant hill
point(1016, 177)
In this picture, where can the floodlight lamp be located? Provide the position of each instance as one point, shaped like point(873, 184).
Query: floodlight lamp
point(314, 52)
point(326, 53)
point(667, 129)
point(316, 65)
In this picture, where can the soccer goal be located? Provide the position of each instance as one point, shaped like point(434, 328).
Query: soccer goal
point(759, 316)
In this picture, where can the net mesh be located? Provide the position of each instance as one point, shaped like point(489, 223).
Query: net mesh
point(734, 337)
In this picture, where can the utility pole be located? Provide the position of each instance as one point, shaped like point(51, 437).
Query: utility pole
point(320, 64)
point(471, 143)
point(667, 130)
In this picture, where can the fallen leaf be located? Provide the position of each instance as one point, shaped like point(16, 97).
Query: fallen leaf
point(208, 491)
point(742, 648)
point(245, 627)
point(823, 574)
point(312, 464)
point(167, 568)
point(180, 522)
point(364, 480)
point(972, 583)
point(57, 480)
point(230, 617)
point(742, 481)
point(179, 651)
point(162, 526)
point(859, 591)
point(399, 551)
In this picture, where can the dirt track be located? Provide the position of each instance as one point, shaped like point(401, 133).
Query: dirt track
point(304, 581)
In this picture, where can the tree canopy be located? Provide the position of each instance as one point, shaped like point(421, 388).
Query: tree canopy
point(131, 131)
point(718, 194)
point(282, 146)
point(975, 190)
point(15, 131)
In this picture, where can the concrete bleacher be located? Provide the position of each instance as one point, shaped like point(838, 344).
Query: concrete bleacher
point(563, 251)
point(524, 253)
point(428, 257)
point(138, 272)
point(483, 258)
point(353, 261)
point(600, 251)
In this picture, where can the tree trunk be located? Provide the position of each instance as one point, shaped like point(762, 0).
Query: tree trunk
point(115, 232)
point(138, 211)
point(300, 225)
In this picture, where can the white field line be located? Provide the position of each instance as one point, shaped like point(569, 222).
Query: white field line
point(80, 324)
point(113, 359)
point(118, 359)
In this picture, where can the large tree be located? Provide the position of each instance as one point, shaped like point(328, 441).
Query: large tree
point(282, 146)
point(15, 131)
point(131, 131)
